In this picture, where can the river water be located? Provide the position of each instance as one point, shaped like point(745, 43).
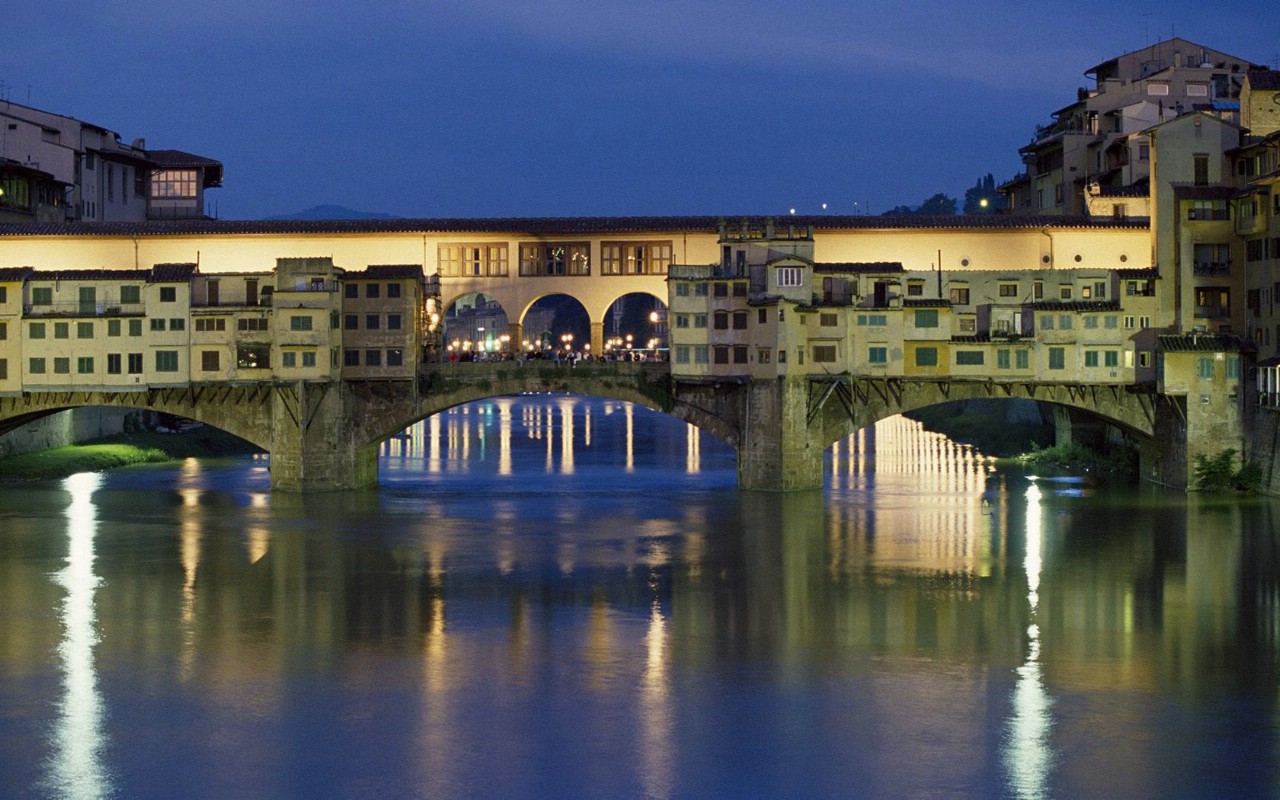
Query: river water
point(567, 597)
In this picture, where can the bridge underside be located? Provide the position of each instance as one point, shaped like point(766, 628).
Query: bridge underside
point(325, 436)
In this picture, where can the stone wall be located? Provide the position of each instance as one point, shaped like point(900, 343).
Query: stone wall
point(63, 428)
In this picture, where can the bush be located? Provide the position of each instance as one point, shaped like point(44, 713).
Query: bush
point(1219, 474)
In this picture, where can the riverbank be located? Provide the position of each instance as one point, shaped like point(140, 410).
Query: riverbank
point(122, 450)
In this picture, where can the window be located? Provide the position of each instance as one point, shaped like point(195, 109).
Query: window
point(1110, 321)
point(373, 358)
point(740, 320)
point(1002, 359)
point(350, 358)
point(722, 355)
point(84, 330)
point(554, 259)
point(393, 322)
point(682, 289)
point(135, 327)
point(699, 290)
point(299, 323)
point(1144, 322)
point(878, 354)
point(130, 295)
point(739, 289)
point(1065, 322)
point(700, 354)
point(682, 354)
point(351, 291)
point(351, 322)
point(4, 294)
point(308, 359)
point(36, 330)
point(1157, 89)
point(762, 316)
point(740, 354)
point(288, 359)
point(790, 276)
point(1090, 321)
point(113, 363)
point(1091, 358)
point(173, 183)
point(699, 320)
point(926, 318)
point(62, 366)
point(828, 320)
point(393, 290)
point(395, 357)
point(1233, 368)
point(36, 366)
point(824, 353)
point(166, 361)
point(209, 360)
point(1057, 358)
point(134, 362)
point(720, 290)
point(873, 320)
point(1212, 301)
point(926, 356)
point(960, 296)
point(252, 323)
point(970, 358)
point(371, 322)
point(764, 355)
point(1204, 369)
point(1111, 358)
point(1064, 293)
point(635, 258)
point(42, 296)
point(211, 324)
point(1200, 169)
point(1022, 358)
point(1008, 290)
point(682, 320)
point(157, 324)
point(968, 324)
point(721, 320)
point(473, 260)
point(177, 324)
point(168, 294)
point(61, 330)
point(372, 291)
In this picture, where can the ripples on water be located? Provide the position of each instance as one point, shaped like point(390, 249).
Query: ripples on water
point(556, 596)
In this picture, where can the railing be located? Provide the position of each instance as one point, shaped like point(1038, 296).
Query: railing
point(1210, 268)
point(76, 309)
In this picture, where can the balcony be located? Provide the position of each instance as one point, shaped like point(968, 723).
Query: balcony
point(1212, 269)
point(76, 309)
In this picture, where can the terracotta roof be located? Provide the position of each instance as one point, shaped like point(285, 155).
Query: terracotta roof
point(1203, 343)
point(858, 267)
point(925, 302)
point(9, 274)
point(172, 273)
point(1124, 191)
point(1264, 79)
point(552, 226)
point(1186, 192)
point(1139, 272)
point(386, 272)
point(90, 275)
point(1075, 305)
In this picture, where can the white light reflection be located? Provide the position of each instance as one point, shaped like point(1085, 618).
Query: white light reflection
point(76, 768)
point(692, 449)
point(1027, 755)
point(655, 710)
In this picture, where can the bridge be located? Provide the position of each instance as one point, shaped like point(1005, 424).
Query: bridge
point(325, 436)
point(782, 338)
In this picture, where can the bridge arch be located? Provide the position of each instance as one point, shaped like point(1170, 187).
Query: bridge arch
point(549, 317)
point(244, 412)
point(846, 406)
point(637, 319)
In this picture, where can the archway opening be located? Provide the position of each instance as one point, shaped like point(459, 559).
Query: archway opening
point(556, 323)
point(476, 324)
point(636, 323)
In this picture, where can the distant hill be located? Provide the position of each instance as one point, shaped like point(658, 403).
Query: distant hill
point(330, 211)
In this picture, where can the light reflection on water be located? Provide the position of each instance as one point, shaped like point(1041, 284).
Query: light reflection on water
point(553, 596)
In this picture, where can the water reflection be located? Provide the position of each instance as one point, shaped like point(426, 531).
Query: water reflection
point(493, 622)
point(77, 768)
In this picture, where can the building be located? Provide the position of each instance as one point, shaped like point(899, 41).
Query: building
point(1098, 139)
point(92, 175)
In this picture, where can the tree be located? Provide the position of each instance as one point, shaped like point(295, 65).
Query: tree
point(938, 205)
point(982, 198)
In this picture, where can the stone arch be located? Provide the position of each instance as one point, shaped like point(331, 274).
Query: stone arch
point(549, 316)
point(866, 401)
point(476, 321)
point(241, 411)
point(636, 318)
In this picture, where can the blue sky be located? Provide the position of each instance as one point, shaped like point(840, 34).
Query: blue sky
point(479, 108)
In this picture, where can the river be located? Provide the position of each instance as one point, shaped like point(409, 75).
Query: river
point(556, 596)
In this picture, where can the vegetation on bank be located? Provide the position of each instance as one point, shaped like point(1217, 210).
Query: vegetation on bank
point(1220, 474)
point(120, 450)
point(1073, 457)
point(993, 436)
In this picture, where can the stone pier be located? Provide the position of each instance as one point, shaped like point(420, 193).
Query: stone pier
point(313, 447)
point(778, 451)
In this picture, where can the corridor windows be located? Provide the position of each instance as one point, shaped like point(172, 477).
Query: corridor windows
point(471, 261)
point(635, 258)
point(554, 259)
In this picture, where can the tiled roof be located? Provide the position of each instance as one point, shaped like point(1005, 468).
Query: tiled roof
point(1075, 305)
point(1139, 272)
point(9, 274)
point(858, 267)
point(172, 273)
point(1203, 343)
point(1124, 191)
point(386, 272)
point(549, 226)
point(1205, 192)
point(90, 275)
point(925, 302)
point(1264, 79)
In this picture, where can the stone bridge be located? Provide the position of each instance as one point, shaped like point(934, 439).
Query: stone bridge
point(325, 436)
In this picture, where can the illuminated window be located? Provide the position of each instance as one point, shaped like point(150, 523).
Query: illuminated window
point(472, 260)
point(554, 259)
point(180, 183)
point(635, 258)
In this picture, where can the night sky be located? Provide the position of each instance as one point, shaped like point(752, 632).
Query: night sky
point(479, 108)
